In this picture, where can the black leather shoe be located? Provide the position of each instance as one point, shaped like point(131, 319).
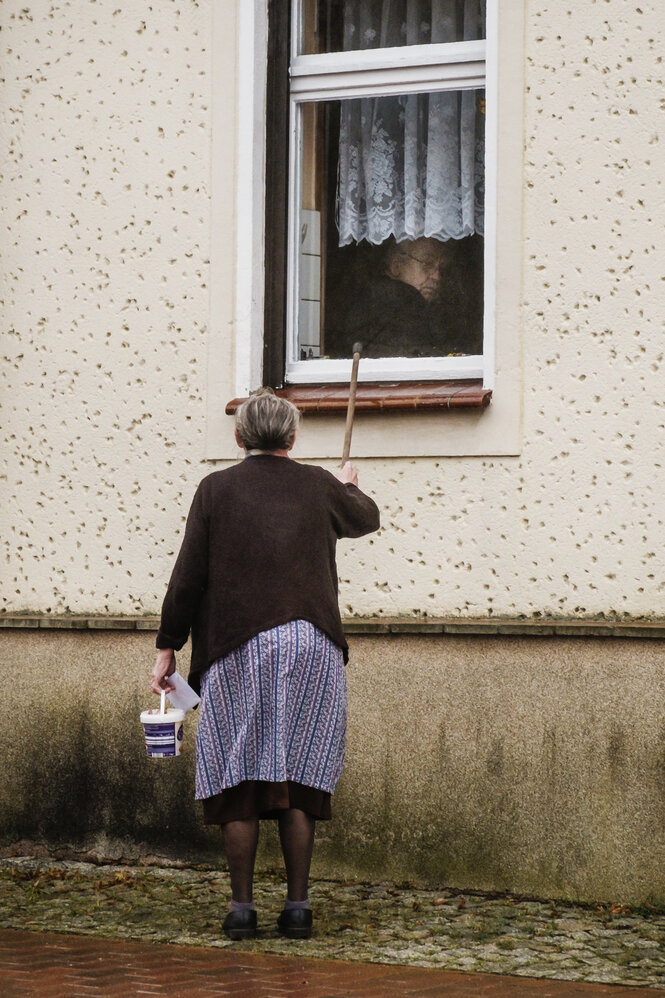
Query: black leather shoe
point(295, 923)
point(240, 924)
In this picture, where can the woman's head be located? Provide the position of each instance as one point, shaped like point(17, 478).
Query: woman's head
point(266, 422)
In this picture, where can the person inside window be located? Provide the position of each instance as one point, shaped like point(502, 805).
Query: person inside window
point(407, 299)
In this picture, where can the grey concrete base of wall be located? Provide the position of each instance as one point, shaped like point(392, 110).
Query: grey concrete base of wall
point(531, 765)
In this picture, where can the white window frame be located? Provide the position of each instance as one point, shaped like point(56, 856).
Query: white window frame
point(385, 72)
point(237, 289)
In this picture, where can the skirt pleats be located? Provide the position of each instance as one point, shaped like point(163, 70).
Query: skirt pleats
point(273, 710)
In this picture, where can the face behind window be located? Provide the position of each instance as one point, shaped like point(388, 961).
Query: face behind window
point(420, 263)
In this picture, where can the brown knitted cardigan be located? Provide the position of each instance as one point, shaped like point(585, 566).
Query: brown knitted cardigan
point(258, 551)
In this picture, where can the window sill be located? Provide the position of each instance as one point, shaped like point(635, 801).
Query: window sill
point(376, 397)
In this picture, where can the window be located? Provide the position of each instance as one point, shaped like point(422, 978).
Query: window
point(377, 225)
point(247, 325)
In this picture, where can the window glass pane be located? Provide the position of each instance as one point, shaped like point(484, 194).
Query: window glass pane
point(345, 25)
point(390, 226)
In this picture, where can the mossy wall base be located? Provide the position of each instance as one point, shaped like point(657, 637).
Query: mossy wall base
point(531, 765)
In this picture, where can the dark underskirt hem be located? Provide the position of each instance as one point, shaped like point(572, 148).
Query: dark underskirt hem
point(264, 800)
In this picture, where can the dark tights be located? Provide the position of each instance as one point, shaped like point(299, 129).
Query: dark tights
point(296, 835)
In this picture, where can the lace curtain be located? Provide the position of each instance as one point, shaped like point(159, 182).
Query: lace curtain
point(412, 165)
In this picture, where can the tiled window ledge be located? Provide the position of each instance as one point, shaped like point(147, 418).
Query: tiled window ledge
point(383, 397)
point(487, 626)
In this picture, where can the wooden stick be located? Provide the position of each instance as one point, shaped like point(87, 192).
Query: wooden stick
point(351, 408)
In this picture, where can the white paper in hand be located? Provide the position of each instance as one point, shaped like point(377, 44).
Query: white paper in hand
point(183, 696)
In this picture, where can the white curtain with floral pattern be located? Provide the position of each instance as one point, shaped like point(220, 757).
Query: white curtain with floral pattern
point(412, 165)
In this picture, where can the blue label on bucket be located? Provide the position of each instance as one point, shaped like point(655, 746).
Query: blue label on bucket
point(159, 730)
point(160, 739)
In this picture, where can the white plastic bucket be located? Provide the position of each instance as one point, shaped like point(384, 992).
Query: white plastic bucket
point(163, 730)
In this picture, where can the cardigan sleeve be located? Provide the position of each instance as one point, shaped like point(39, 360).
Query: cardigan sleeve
point(353, 513)
point(189, 579)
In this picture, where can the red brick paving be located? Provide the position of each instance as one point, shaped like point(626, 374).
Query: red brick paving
point(47, 965)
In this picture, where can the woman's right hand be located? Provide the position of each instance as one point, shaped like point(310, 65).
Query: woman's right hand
point(163, 668)
point(347, 474)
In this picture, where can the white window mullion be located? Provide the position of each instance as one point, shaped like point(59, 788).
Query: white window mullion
point(250, 193)
point(403, 57)
point(491, 193)
point(386, 369)
point(293, 270)
point(385, 72)
point(296, 29)
point(390, 82)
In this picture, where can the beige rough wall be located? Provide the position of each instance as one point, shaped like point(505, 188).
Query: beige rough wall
point(105, 209)
point(593, 315)
point(105, 220)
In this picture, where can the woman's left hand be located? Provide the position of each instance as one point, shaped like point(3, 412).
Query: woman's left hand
point(164, 667)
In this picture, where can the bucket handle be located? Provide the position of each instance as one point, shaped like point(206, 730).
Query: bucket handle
point(162, 702)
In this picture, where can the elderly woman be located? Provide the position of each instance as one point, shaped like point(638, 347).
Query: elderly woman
point(256, 583)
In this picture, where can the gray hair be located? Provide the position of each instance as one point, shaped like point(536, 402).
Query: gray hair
point(266, 422)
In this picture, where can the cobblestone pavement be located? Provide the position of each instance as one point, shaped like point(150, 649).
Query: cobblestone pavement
point(372, 923)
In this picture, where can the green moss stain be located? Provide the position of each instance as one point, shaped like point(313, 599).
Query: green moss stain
point(83, 772)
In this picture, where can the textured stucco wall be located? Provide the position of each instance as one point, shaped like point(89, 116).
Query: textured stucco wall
point(593, 318)
point(106, 231)
point(105, 186)
point(526, 764)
